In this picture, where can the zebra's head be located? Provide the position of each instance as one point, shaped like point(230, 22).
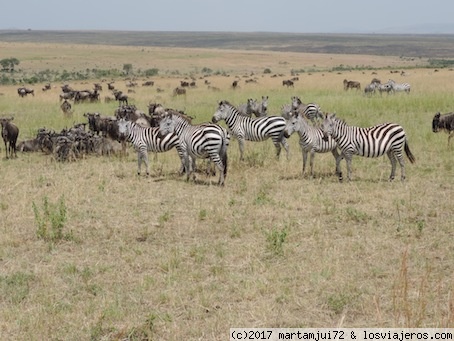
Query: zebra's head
point(124, 126)
point(295, 102)
point(167, 124)
point(264, 106)
point(221, 112)
point(328, 126)
point(293, 124)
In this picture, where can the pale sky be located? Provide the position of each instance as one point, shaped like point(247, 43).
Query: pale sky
point(299, 16)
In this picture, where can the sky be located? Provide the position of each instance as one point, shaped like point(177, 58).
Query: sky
point(298, 16)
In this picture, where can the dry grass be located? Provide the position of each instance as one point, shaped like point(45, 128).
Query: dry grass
point(160, 258)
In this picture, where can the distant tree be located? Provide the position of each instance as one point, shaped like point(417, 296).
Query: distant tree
point(127, 68)
point(8, 64)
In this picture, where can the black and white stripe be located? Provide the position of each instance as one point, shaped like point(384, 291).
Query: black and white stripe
point(246, 128)
point(206, 140)
point(312, 141)
point(386, 138)
point(311, 111)
point(397, 87)
point(148, 139)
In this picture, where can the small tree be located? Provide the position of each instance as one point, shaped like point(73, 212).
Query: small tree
point(127, 68)
point(8, 64)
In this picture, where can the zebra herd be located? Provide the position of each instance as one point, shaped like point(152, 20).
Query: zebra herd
point(389, 87)
point(210, 140)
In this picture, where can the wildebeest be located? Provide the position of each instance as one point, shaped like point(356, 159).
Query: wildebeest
point(120, 97)
point(288, 83)
point(10, 132)
point(444, 122)
point(351, 85)
point(23, 91)
point(66, 107)
point(179, 91)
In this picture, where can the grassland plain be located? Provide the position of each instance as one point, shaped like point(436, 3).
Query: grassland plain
point(164, 259)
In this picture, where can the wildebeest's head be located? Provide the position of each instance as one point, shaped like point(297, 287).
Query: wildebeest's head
point(436, 123)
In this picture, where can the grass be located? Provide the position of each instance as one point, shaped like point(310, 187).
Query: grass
point(161, 258)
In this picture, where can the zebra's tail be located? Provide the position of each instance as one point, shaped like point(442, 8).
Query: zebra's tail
point(408, 152)
point(223, 154)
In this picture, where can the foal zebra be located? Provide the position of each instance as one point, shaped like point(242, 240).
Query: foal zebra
point(204, 140)
point(148, 139)
point(312, 141)
point(246, 128)
point(399, 86)
point(311, 111)
point(374, 141)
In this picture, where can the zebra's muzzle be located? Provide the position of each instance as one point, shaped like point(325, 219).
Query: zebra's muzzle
point(325, 137)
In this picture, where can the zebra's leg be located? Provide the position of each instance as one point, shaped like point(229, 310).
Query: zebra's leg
point(277, 144)
point(286, 147)
point(139, 161)
point(147, 164)
point(348, 160)
point(400, 158)
point(392, 157)
point(241, 145)
point(338, 157)
point(312, 162)
point(217, 160)
point(189, 165)
point(304, 152)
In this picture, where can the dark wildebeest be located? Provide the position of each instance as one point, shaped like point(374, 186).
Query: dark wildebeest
point(179, 91)
point(22, 91)
point(444, 122)
point(10, 132)
point(288, 83)
point(66, 107)
point(352, 85)
point(120, 97)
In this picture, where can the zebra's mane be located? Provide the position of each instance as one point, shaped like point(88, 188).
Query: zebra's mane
point(225, 102)
point(179, 114)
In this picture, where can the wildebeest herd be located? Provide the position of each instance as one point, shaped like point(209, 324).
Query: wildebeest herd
point(162, 129)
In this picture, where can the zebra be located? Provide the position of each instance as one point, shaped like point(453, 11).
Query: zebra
point(373, 141)
point(260, 110)
point(311, 111)
point(312, 141)
point(246, 128)
point(384, 88)
point(252, 107)
point(399, 86)
point(206, 140)
point(147, 139)
point(370, 88)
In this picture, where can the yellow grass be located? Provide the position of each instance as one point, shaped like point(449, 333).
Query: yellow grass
point(164, 259)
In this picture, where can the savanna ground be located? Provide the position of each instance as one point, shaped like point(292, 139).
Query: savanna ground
point(164, 259)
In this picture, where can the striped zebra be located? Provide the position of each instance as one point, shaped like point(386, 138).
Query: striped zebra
point(311, 111)
point(312, 141)
point(148, 139)
point(206, 140)
point(260, 110)
point(246, 128)
point(374, 141)
point(397, 87)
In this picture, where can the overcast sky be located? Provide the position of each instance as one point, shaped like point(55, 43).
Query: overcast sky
point(300, 16)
